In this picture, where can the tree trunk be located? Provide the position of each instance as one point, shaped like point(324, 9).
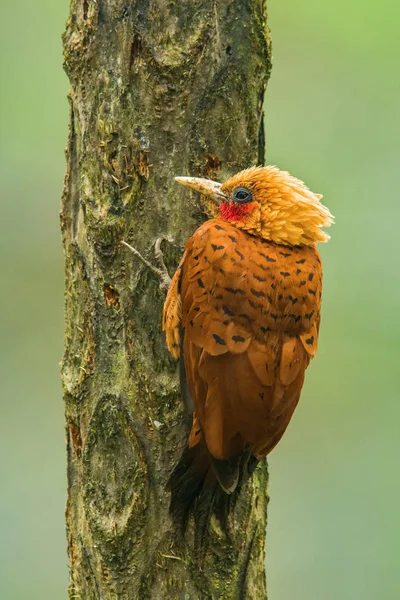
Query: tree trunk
point(158, 89)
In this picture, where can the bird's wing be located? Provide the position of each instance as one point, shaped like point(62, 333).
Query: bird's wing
point(172, 313)
point(171, 324)
point(250, 310)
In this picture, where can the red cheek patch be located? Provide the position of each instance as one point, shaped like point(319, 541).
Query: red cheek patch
point(231, 211)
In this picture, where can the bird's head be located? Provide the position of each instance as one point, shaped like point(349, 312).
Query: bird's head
point(268, 203)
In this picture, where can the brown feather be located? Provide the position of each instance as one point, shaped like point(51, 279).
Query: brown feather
point(250, 311)
point(244, 310)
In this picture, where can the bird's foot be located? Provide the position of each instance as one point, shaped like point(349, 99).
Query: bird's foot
point(161, 271)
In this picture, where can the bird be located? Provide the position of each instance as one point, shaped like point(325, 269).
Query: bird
point(242, 314)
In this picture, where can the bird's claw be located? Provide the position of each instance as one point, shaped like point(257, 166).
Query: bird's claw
point(161, 271)
point(159, 256)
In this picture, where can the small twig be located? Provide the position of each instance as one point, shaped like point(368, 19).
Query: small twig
point(171, 556)
point(162, 272)
point(144, 260)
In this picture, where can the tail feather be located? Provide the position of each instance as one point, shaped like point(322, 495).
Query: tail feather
point(202, 485)
point(186, 483)
point(227, 472)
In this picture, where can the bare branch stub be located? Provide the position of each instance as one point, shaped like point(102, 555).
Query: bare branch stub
point(162, 271)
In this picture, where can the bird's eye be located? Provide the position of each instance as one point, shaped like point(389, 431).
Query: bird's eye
point(241, 195)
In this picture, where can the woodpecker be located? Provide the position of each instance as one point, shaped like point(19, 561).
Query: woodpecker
point(242, 314)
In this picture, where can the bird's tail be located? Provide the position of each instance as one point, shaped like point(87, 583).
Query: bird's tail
point(202, 485)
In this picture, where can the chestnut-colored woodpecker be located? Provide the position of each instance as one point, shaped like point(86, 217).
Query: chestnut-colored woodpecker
point(243, 313)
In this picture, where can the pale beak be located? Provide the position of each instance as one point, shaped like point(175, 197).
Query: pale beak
point(206, 187)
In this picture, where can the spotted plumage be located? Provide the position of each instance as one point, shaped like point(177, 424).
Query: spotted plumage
point(244, 307)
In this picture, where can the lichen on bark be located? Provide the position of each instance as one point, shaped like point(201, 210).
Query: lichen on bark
point(158, 89)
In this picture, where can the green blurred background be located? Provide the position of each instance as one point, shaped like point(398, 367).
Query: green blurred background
point(332, 120)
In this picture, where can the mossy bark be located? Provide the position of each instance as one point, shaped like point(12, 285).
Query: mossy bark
point(158, 88)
